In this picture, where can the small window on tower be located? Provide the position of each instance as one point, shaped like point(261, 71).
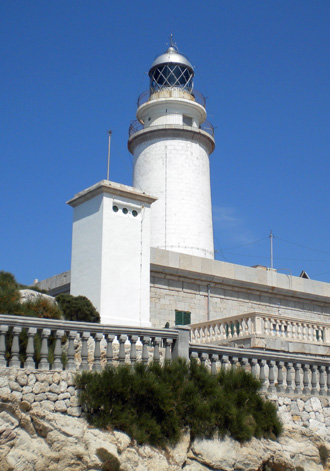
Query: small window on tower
point(186, 120)
point(182, 317)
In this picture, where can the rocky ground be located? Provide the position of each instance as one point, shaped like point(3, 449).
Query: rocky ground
point(39, 440)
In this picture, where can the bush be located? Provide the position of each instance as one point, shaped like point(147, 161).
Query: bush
point(77, 308)
point(155, 404)
point(9, 294)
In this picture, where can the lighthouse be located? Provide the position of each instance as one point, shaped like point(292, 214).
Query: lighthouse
point(171, 142)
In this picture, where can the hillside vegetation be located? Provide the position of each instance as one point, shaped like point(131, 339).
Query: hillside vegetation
point(155, 404)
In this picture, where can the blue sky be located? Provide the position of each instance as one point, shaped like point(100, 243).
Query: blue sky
point(71, 70)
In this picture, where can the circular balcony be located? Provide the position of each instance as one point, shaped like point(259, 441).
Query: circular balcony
point(136, 126)
point(174, 92)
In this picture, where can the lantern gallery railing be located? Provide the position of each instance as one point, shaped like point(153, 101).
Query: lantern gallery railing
point(233, 328)
point(44, 344)
point(174, 92)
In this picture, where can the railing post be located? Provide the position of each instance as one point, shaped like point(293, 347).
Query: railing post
point(280, 365)
point(57, 365)
point(122, 340)
point(322, 391)
point(289, 388)
point(297, 380)
point(253, 362)
point(181, 345)
point(214, 359)
point(233, 362)
point(262, 376)
point(306, 369)
point(314, 380)
point(145, 343)
point(29, 362)
point(156, 342)
point(271, 377)
point(71, 363)
point(97, 351)
point(204, 358)
point(15, 348)
point(44, 364)
point(109, 353)
point(84, 352)
point(168, 348)
point(132, 356)
point(3, 331)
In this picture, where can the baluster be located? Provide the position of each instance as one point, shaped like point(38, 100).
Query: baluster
point(306, 389)
point(132, 356)
point(314, 380)
point(157, 341)
point(322, 391)
point(328, 380)
point(315, 333)
point(29, 362)
point(253, 362)
point(271, 377)
point(168, 350)
point(121, 358)
point(214, 359)
point(289, 388)
point(97, 351)
point(84, 352)
point(297, 380)
point(193, 356)
point(310, 333)
point(267, 327)
point(289, 330)
point(71, 363)
point(44, 365)
point(299, 332)
point(204, 357)
point(222, 332)
point(3, 331)
point(57, 365)
point(15, 348)
point(294, 331)
point(109, 354)
point(233, 362)
point(280, 365)
point(244, 362)
point(145, 353)
point(262, 375)
point(224, 362)
point(304, 332)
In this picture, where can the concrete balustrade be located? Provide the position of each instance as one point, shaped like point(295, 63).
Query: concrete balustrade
point(93, 346)
point(258, 330)
point(85, 345)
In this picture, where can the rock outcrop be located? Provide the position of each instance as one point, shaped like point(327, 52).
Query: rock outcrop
point(39, 440)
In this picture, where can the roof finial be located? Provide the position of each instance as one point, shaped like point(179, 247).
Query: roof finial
point(172, 43)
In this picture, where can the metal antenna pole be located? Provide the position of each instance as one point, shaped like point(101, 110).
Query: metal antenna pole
point(109, 132)
point(271, 249)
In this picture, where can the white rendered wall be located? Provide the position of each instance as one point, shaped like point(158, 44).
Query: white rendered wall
point(177, 172)
point(111, 258)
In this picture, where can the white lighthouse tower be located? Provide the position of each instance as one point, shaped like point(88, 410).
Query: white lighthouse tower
point(171, 142)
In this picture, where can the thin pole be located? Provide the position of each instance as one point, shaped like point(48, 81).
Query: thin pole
point(271, 249)
point(109, 132)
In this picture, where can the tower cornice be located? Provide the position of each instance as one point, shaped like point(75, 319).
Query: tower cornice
point(178, 131)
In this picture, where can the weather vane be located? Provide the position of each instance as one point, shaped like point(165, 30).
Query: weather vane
point(172, 43)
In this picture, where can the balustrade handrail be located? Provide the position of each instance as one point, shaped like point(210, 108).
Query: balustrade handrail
point(249, 315)
point(258, 354)
point(56, 324)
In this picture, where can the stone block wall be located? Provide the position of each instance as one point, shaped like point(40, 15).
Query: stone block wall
point(168, 293)
point(53, 391)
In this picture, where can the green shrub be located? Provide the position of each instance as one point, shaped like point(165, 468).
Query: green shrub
point(77, 308)
point(155, 404)
point(9, 294)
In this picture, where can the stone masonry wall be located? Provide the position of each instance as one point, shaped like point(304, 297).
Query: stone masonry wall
point(53, 391)
point(168, 293)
